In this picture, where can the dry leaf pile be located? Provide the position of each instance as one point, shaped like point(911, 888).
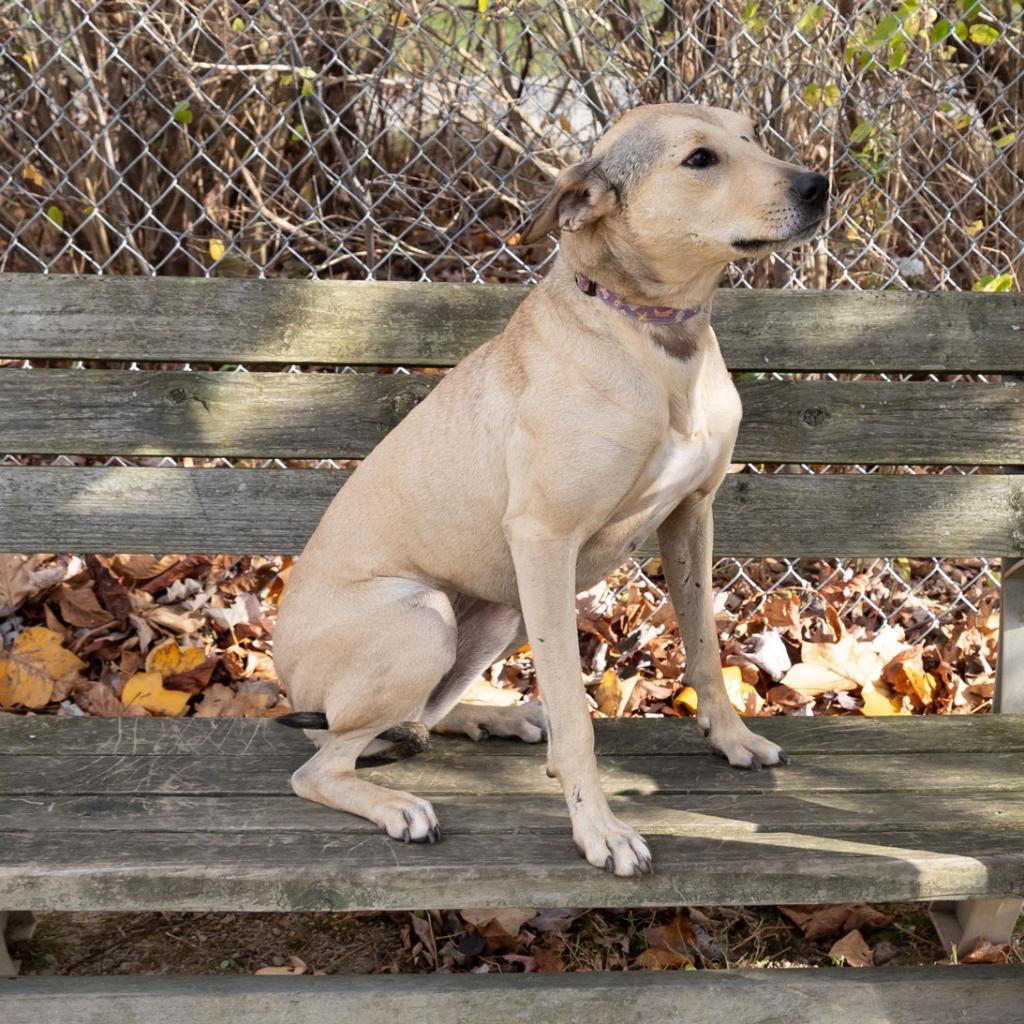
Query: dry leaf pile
point(191, 635)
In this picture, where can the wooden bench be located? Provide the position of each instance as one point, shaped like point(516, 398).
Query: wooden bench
point(153, 814)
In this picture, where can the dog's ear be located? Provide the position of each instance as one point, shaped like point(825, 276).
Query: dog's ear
point(582, 195)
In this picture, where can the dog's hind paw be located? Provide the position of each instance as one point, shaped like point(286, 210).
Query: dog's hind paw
point(478, 721)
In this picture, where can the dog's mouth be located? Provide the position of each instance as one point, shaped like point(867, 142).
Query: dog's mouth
point(800, 235)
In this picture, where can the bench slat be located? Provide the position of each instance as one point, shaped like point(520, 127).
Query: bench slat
point(837, 812)
point(238, 737)
point(122, 509)
point(291, 870)
point(112, 412)
point(893, 995)
point(394, 323)
point(448, 771)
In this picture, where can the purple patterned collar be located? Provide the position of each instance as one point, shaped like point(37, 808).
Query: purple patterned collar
point(646, 314)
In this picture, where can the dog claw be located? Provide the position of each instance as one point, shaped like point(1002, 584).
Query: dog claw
point(609, 864)
point(783, 757)
point(434, 835)
point(406, 837)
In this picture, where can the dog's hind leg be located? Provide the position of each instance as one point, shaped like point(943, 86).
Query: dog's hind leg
point(487, 632)
point(371, 660)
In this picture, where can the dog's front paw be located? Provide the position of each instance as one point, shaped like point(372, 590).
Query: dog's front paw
point(408, 819)
point(741, 747)
point(611, 844)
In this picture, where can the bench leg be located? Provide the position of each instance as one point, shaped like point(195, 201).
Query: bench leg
point(961, 923)
point(15, 926)
point(1009, 694)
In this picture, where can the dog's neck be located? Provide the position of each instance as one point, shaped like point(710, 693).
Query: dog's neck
point(678, 335)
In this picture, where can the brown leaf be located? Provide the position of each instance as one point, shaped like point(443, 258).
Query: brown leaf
point(20, 579)
point(983, 952)
point(111, 594)
point(853, 949)
point(499, 927)
point(676, 937)
point(781, 609)
point(216, 702)
point(97, 699)
point(193, 680)
point(180, 568)
point(134, 568)
point(846, 665)
point(79, 607)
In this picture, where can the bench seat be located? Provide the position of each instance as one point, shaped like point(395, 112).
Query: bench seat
point(197, 815)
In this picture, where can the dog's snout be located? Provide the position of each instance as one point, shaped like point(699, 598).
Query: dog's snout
point(810, 188)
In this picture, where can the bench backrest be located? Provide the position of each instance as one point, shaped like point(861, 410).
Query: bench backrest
point(266, 413)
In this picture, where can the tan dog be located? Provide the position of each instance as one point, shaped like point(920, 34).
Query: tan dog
point(536, 467)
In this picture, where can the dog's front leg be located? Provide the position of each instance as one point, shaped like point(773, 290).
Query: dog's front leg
point(546, 573)
point(685, 539)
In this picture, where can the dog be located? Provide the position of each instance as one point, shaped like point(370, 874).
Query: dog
point(601, 414)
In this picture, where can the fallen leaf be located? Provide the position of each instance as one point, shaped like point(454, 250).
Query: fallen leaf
point(687, 698)
point(217, 699)
point(146, 689)
point(34, 667)
point(984, 952)
point(98, 699)
point(79, 606)
point(845, 665)
point(295, 967)
point(171, 660)
point(20, 579)
point(853, 950)
point(608, 694)
point(500, 928)
point(781, 609)
point(878, 703)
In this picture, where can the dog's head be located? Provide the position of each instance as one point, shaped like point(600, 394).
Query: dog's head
point(673, 186)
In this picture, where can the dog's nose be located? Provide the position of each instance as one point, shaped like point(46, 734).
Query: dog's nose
point(810, 188)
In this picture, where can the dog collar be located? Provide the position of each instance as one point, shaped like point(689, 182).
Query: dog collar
point(646, 314)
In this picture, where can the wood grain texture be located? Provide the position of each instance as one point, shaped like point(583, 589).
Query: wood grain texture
point(831, 812)
point(897, 995)
point(119, 509)
point(286, 415)
point(254, 737)
point(280, 321)
point(291, 870)
point(447, 770)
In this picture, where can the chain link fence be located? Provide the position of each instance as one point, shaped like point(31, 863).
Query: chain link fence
point(407, 140)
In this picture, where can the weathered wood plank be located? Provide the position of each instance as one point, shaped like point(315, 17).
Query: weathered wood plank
point(253, 737)
point(278, 321)
point(900, 995)
point(286, 415)
point(119, 509)
point(699, 814)
point(308, 871)
point(449, 771)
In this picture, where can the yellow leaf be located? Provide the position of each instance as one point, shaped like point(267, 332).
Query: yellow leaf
point(687, 698)
point(147, 690)
point(30, 174)
point(877, 704)
point(743, 697)
point(216, 249)
point(36, 662)
point(608, 693)
point(171, 660)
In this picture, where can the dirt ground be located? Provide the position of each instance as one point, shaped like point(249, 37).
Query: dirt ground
point(351, 943)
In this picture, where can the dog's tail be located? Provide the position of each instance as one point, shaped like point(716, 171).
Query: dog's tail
point(403, 740)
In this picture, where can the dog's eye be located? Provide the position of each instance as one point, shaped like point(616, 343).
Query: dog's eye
point(700, 158)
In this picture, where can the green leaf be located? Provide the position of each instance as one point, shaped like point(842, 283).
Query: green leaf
point(1006, 140)
point(984, 35)
point(481, 6)
point(307, 72)
point(810, 18)
point(970, 8)
point(287, 79)
point(237, 25)
point(56, 216)
point(897, 53)
point(182, 114)
point(832, 95)
point(862, 132)
point(884, 30)
point(298, 130)
point(812, 93)
point(940, 30)
point(993, 283)
point(307, 87)
point(960, 31)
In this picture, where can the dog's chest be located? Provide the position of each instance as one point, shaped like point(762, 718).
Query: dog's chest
point(678, 466)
